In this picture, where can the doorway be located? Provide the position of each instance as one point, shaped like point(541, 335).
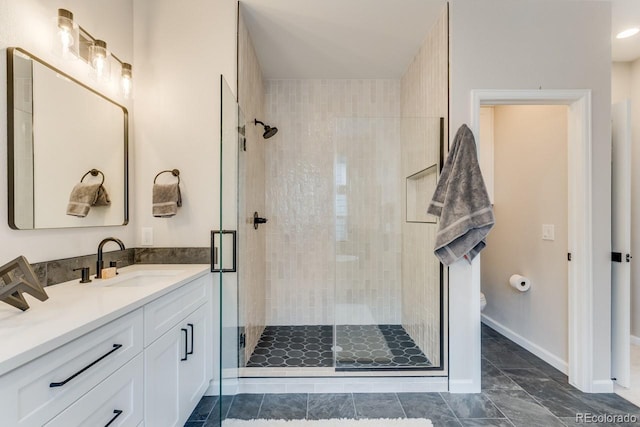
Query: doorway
point(579, 230)
point(523, 156)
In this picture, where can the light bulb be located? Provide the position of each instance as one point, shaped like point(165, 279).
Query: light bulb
point(100, 60)
point(98, 64)
point(66, 39)
point(126, 87)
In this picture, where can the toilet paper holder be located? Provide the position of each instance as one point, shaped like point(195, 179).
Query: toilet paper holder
point(520, 283)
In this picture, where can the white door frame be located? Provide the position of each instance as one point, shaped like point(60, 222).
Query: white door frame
point(580, 244)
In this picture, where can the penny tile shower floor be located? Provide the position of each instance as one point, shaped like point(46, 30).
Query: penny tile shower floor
point(358, 346)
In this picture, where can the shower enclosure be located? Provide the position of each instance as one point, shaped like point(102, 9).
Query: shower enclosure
point(341, 278)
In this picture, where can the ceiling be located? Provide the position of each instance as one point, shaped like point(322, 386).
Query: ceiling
point(331, 39)
point(625, 14)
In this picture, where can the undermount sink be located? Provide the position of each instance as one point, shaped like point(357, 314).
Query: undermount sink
point(138, 278)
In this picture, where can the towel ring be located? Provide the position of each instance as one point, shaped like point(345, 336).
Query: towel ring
point(93, 172)
point(174, 172)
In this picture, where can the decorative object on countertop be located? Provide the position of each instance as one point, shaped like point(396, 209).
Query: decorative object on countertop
point(84, 195)
point(26, 281)
point(461, 202)
point(167, 198)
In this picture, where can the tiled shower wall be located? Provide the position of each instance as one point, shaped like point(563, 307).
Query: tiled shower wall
point(322, 123)
point(424, 93)
point(251, 195)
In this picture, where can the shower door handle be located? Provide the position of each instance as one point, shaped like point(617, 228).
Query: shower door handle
point(216, 257)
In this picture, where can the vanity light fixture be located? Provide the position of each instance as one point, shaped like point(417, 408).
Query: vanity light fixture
point(66, 39)
point(73, 41)
point(628, 33)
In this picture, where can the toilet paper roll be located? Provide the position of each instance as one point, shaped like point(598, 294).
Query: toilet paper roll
point(520, 283)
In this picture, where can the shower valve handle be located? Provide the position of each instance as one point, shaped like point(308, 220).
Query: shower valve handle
point(258, 220)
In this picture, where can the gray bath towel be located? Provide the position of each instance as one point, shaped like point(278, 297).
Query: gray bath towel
point(83, 196)
point(462, 203)
point(166, 200)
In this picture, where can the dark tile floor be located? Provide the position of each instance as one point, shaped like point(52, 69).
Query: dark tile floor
point(358, 347)
point(518, 389)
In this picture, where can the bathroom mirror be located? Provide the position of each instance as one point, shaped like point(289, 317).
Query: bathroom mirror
point(58, 130)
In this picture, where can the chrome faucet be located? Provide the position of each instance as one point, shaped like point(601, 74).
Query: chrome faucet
point(100, 263)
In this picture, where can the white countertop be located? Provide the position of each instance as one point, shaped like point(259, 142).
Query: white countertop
point(73, 309)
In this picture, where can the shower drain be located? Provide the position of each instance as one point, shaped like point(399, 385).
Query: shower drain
point(336, 348)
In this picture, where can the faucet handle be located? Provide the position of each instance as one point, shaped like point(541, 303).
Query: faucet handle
point(84, 273)
point(114, 264)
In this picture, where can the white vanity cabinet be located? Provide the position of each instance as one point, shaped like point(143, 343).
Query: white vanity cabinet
point(36, 392)
point(150, 366)
point(178, 363)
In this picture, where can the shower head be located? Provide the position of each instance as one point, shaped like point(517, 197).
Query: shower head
point(268, 130)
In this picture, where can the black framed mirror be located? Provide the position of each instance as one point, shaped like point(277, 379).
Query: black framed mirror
point(59, 130)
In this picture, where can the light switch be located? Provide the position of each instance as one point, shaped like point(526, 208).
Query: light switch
point(548, 232)
point(147, 236)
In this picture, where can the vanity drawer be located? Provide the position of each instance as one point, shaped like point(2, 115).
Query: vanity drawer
point(34, 393)
point(165, 312)
point(118, 399)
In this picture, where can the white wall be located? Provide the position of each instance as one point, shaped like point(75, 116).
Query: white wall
point(530, 169)
point(29, 24)
point(625, 84)
point(621, 81)
point(527, 44)
point(181, 48)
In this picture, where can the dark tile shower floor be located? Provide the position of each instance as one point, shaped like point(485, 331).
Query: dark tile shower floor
point(293, 346)
point(358, 347)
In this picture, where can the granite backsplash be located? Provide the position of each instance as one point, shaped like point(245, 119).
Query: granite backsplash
point(61, 270)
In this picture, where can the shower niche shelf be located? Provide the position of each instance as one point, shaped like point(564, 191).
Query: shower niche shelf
point(419, 190)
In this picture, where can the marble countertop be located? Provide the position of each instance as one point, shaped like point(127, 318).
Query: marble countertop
point(73, 309)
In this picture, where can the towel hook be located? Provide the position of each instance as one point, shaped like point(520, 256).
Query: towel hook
point(93, 172)
point(174, 172)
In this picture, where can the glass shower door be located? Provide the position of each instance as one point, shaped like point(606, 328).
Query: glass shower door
point(389, 290)
point(224, 255)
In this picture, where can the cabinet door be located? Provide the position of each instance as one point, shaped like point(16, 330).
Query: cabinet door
point(161, 373)
point(195, 372)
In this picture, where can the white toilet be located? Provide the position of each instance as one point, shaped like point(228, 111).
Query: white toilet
point(483, 301)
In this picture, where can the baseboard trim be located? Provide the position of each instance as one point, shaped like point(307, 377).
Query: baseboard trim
point(214, 389)
point(635, 340)
point(463, 386)
point(342, 385)
point(603, 386)
point(543, 354)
